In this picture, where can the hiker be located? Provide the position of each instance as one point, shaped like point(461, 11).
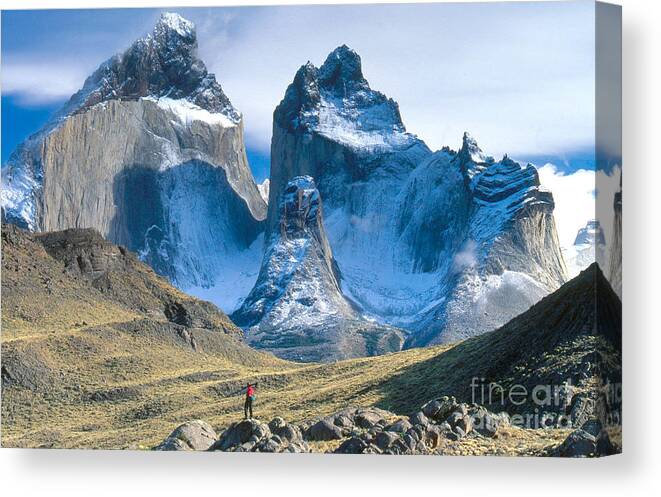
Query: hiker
point(250, 397)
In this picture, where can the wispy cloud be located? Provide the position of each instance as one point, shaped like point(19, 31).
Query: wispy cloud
point(39, 82)
point(574, 196)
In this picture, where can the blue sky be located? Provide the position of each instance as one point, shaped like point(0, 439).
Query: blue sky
point(518, 76)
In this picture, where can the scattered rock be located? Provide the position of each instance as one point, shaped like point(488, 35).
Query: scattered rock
point(385, 439)
point(193, 435)
point(579, 443)
point(368, 419)
point(353, 445)
point(253, 436)
point(399, 426)
point(419, 418)
point(248, 431)
point(323, 430)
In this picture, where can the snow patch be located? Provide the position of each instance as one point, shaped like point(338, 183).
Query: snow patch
point(235, 276)
point(18, 191)
point(187, 112)
point(360, 128)
point(264, 189)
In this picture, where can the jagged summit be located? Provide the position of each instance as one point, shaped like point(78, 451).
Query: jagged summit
point(173, 21)
point(342, 70)
point(471, 150)
point(163, 63)
point(473, 161)
point(336, 101)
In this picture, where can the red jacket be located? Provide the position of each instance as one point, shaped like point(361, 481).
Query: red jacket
point(251, 391)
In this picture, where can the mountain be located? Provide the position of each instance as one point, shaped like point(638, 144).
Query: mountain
point(589, 246)
point(150, 153)
point(297, 309)
point(442, 244)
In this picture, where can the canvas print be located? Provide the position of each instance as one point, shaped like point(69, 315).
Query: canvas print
point(358, 229)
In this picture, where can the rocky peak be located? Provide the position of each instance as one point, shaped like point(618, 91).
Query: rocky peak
point(472, 160)
point(171, 22)
point(342, 71)
point(337, 101)
point(164, 63)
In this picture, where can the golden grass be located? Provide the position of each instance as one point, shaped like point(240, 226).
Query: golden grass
point(171, 383)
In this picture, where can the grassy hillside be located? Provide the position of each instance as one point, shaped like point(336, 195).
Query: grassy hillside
point(99, 352)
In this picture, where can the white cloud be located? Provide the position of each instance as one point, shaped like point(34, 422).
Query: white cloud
point(574, 196)
point(579, 197)
point(37, 83)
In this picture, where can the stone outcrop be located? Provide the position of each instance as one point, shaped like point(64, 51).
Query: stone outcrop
point(251, 435)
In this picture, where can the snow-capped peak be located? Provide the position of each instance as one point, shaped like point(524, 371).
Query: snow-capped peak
point(337, 102)
point(472, 160)
point(164, 63)
point(173, 21)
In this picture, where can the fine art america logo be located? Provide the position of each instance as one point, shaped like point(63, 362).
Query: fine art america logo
point(552, 402)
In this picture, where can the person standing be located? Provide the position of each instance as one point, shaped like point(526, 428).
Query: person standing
point(250, 398)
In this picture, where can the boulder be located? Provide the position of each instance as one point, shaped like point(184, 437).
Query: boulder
point(385, 439)
point(246, 433)
point(419, 418)
point(432, 437)
point(440, 409)
point(593, 427)
point(579, 443)
point(323, 430)
point(277, 423)
point(582, 410)
point(399, 426)
point(254, 436)
point(369, 419)
point(487, 424)
point(343, 421)
point(604, 445)
point(353, 445)
point(172, 444)
point(289, 433)
point(193, 435)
